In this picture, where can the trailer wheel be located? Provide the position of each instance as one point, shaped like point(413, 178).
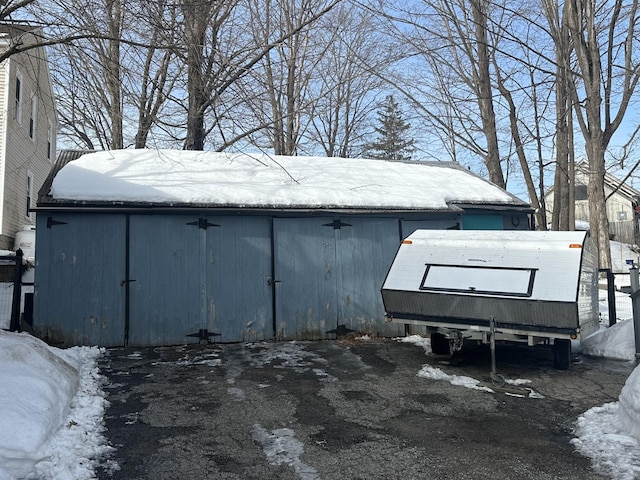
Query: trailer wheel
point(562, 353)
point(440, 344)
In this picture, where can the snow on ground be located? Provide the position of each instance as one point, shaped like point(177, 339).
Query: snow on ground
point(53, 406)
point(53, 398)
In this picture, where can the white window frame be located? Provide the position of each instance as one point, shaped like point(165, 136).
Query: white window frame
point(33, 117)
point(29, 194)
point(49, 140)
point(17, 97)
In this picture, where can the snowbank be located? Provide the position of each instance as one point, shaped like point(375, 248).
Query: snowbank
point(52, 410)
point(630, 404)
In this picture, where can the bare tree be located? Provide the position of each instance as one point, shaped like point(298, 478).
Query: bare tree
point(112, 85)
point(604, 35)
point(350, 73)
point(220, 52)
point(563, 217)
point(452, 37)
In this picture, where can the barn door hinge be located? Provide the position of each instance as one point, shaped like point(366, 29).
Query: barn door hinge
point(203, 223)
point(337, 224)
point(204, 334)
point(341, 331)
point(51, 222)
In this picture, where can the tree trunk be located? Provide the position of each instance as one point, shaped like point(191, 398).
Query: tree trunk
point(195, 35)
point(485, 96)
point(112, 74)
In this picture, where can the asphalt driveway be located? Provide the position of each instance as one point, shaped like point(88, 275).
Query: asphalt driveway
point(348, 409)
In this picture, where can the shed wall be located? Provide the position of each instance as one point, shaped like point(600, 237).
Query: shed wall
point(151, 279)
point(79, 271)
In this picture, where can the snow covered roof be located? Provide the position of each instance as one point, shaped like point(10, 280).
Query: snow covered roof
point(231, 180)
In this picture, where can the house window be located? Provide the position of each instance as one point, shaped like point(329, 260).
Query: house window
point(581, 192)
point(17, 107)
point(49, 140)
point(32, 117)
point(29, 194)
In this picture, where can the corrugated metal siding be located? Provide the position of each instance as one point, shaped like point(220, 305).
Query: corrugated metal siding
point(78, 275)
point(477, 310)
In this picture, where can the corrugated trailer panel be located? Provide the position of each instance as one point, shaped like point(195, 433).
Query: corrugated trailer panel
point(514, 313)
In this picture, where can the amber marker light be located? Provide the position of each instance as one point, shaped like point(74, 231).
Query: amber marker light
point(575, 245)
point(407, 242)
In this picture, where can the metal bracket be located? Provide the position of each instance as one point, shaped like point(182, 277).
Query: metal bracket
point(51, 222)
point(337, 224)
point(202, 223)
point(204, 334)
point(341, 331)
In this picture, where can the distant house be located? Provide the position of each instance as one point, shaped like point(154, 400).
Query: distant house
point(623, 205)
point(145, 247)
point(28, 130)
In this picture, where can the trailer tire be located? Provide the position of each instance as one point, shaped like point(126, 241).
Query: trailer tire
point(562, 353)
point(440, 344)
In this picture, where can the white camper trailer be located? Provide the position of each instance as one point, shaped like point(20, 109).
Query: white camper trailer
point(537, 287)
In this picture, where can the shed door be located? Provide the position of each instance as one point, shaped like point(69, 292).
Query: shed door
point(305, 259)
point(81, 265)
point(365, 252)
point(165, 289)
point(329, 274)
point(199, 277)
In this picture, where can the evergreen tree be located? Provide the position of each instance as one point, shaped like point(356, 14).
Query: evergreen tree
point(392, 142)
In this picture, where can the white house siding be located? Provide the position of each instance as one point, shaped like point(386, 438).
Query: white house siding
point(619, 210)
point(24, 155)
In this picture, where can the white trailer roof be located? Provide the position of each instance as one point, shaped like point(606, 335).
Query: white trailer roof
point(533, 264)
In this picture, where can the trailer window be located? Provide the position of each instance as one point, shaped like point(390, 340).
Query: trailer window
point(479, 280)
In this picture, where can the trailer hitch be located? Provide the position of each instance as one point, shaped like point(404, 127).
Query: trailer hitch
point(497, 379)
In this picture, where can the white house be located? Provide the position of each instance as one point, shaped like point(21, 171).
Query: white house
point(623, 205)
point(28, 127)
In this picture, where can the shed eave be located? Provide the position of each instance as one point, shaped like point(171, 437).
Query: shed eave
point(150, 208)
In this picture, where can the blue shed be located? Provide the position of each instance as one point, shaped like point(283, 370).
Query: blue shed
point(163, 247)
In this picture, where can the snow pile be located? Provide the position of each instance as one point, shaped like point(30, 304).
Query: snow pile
point(52, 410)
point(630, 404)
point(616, 342)
point(602, 436)
point(259, 180)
